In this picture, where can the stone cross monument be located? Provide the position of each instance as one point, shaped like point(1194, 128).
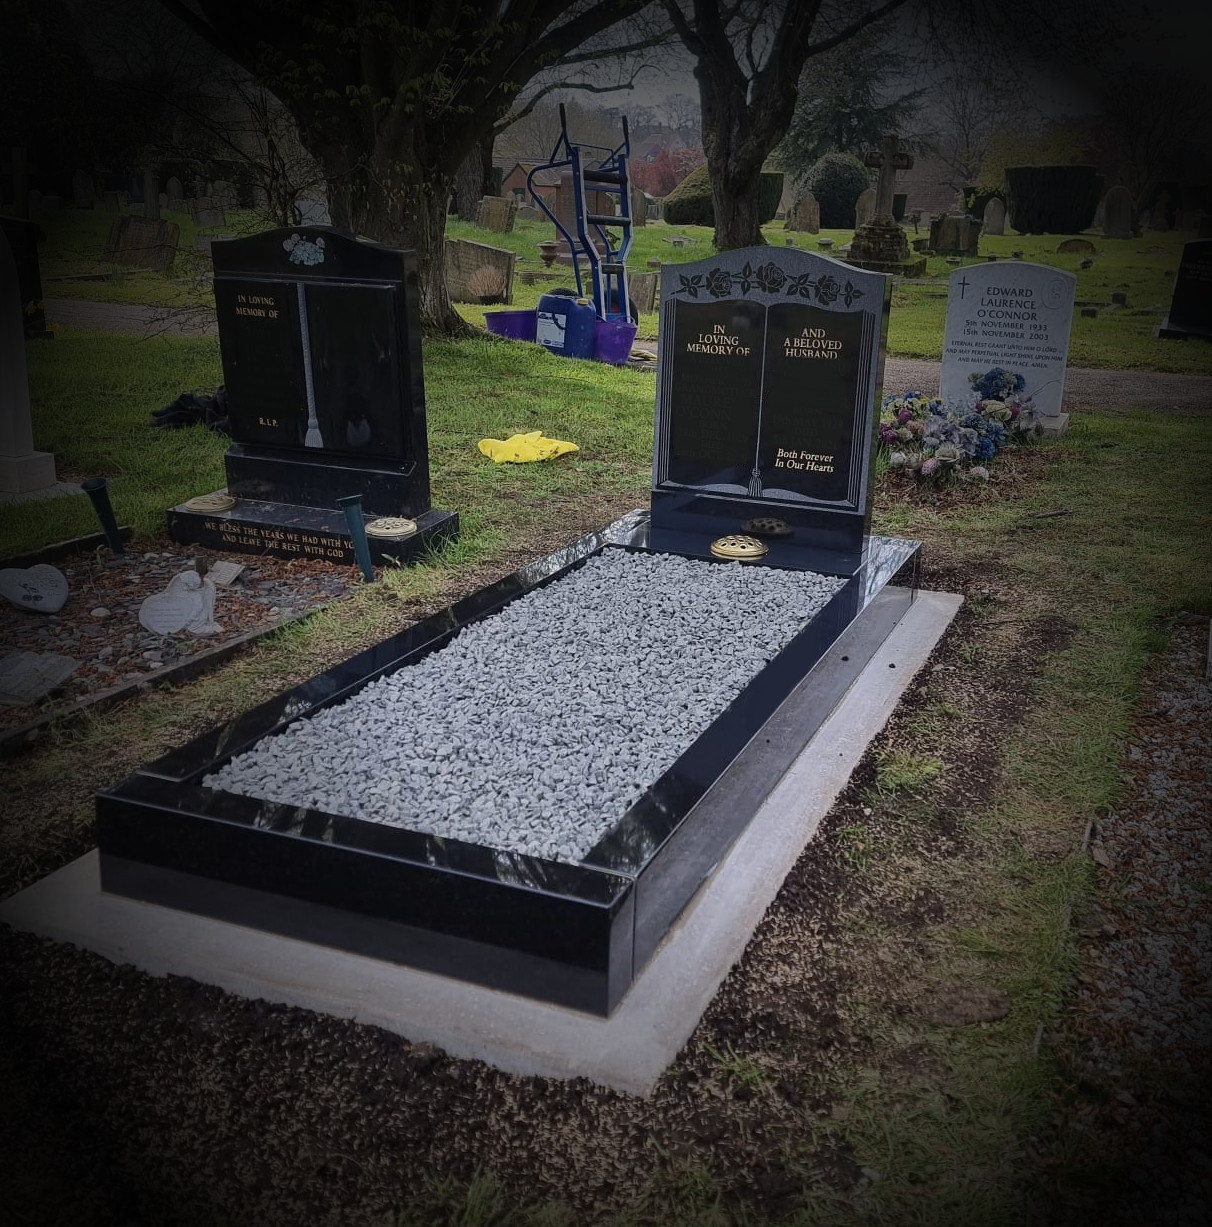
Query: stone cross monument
point(888, 159)
point(880, 243)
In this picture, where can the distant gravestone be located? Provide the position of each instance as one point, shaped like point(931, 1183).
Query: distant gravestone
point(994, 219)
point(1015, 315)
point(111, 201)
point(639, 207)
point(528, 213)
point(1191, 304)
point(770, 365)
point(641, 289)
point(496, 213)
point(656, 208)
point(1117, 214)
point(864, 207)
point(206, 219)
point(163, 198)
point(314, 213)
point(954, 234)
point(84, 193)
point(805, 215)
point(175, 191)
point(142, 242)
point(320, 341)
point(478, 273)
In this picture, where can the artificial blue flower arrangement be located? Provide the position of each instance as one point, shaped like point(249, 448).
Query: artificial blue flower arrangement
point(935, 442)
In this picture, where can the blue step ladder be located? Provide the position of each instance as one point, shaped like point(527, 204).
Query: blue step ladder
point(606, 173)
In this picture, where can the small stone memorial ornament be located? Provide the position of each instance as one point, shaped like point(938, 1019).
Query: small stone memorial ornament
point(42, 588)
point(187, 604)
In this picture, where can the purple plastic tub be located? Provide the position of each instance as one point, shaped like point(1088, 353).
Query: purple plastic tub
point(613, 340)
point(517, 325)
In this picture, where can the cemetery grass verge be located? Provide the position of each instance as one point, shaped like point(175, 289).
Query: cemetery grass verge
point(960, 1134)
point(954, 857)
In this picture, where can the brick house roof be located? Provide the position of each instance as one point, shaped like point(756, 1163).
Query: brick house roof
point(925, 185)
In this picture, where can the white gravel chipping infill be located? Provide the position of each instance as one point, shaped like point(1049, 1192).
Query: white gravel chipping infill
point(534, 730)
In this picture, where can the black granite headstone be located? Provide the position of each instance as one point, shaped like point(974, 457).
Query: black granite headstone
point(770, 369)
point(1191, 306)
point(320, 340)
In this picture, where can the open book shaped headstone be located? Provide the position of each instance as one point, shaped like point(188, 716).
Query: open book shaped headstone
point(771, 363)
point(320, 339)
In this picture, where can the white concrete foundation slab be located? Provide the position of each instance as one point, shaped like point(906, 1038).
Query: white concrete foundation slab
point(627, 1051)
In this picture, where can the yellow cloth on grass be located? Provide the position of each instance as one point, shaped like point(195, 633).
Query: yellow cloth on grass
point(518, 449)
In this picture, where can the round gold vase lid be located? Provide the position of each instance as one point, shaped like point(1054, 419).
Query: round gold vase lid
point(391, 526)
point(738, 547)
point(211, 502)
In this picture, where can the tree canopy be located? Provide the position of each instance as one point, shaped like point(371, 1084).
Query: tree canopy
point(390, 96)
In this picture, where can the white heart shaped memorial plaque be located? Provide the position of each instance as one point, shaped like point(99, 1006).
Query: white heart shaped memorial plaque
point(40, 587)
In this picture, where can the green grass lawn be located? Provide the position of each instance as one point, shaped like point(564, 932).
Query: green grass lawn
point(1130, 552)
point(1121, 338)
point(93, 395)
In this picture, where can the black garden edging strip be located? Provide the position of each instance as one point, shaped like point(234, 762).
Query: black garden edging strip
point(62, 549)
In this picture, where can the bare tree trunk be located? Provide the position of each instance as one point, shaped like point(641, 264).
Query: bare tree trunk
point(411, 215)
point(734, 159)
point(734, 196)
point(469, 185)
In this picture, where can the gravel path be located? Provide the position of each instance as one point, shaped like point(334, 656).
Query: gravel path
point(1141, 1026)
point(1088, 390)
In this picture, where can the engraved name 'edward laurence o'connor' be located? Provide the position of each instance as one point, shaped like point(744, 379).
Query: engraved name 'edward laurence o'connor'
point(1000, 304)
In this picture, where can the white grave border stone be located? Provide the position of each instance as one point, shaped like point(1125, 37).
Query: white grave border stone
point(1013, 314)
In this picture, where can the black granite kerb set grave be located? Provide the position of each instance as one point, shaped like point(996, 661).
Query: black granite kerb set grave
point(321, 346)
point(768, 388)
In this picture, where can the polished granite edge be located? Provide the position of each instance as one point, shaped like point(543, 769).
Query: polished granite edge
point(594, 982)
point(170, 785)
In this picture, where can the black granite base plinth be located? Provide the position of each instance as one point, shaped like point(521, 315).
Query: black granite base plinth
point(574, 934)
point(289, 531)
point(1178, 332)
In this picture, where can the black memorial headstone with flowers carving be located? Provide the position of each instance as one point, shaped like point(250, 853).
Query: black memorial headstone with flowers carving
point(771, 362)
point(321, 346)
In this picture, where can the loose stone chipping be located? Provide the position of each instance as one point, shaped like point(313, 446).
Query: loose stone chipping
point(534, 730)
